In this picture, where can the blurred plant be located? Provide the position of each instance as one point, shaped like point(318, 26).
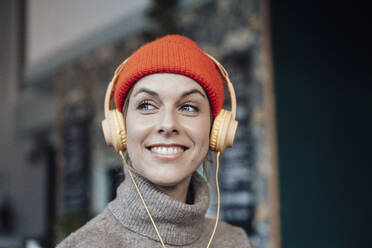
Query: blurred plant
point(68, 223)
point(163, 17)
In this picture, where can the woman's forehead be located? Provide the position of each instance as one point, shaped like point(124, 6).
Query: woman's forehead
point(167, 83)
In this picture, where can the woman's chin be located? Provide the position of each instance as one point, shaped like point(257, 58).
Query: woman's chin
point(167, 179)
point(166, 182)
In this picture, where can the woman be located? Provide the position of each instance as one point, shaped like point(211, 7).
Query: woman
point(169, 96)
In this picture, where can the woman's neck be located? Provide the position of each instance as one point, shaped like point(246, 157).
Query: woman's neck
point(179, 191)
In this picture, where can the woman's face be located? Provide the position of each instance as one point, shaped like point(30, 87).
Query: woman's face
point(168, 121)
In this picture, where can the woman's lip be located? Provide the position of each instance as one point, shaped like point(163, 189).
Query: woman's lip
point(166, 145)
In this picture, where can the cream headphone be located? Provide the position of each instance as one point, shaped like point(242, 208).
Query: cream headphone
point(223, 129)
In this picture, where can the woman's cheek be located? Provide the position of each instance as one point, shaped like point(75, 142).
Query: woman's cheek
point(199, 130)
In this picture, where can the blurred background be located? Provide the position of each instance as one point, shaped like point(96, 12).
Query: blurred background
point(299, 174)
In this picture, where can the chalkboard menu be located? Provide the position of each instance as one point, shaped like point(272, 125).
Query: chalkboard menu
point(243, 178)
point(236, 173)
point(76, 157)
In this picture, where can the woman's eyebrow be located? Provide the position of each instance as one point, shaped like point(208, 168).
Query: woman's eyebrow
point(193, 91)
point(143, 90)
point(153, 93)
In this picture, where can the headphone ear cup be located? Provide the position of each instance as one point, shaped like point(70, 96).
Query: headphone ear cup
point(114, 130)
point(223, 131)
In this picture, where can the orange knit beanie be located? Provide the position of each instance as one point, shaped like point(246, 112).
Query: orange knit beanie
point(173, 54)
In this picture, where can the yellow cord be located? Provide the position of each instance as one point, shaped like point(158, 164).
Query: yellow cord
point(143, 201)
point(148, 211)
point(218, 201)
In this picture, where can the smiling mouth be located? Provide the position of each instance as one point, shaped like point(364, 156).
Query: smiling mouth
point(167, 149)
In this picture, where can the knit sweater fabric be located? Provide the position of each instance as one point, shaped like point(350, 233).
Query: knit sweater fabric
point(125, 223)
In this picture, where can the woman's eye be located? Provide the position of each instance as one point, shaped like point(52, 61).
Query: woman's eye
point(189, 108)
point(146, 106)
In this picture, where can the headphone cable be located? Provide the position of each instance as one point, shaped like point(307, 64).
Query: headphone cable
point(143, 201)
point(218, 201)
point(148, 211)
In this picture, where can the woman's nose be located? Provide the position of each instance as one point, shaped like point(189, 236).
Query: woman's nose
point(168, 124)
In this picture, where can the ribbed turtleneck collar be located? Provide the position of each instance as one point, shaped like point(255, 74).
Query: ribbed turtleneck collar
point(178, 223)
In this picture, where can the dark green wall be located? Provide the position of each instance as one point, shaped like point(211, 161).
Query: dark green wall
point(323, 85)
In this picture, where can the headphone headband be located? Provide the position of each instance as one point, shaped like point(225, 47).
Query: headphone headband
point(230, 87)
point(109, 92)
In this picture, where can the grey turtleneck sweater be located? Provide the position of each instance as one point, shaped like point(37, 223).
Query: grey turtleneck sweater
point(125, 223)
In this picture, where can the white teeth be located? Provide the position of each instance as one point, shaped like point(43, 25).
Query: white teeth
point(167, 150)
